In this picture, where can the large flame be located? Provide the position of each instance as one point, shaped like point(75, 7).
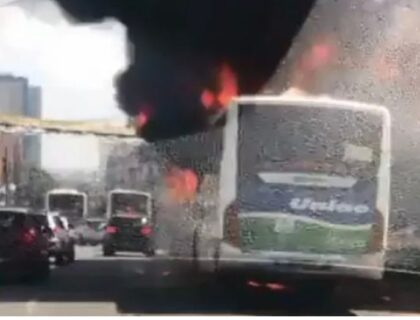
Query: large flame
point(228, 89)
point(143, 116)
point(314, 60)
point(385, 68)
point(182, 184)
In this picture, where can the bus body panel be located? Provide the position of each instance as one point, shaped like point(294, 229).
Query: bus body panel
point(300, 222)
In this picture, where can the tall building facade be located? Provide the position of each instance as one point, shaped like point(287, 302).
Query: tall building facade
point(32, 143)
point(13, 94)
point(18, 152)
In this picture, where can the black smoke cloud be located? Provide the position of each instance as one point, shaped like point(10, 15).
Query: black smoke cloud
point(178, 48)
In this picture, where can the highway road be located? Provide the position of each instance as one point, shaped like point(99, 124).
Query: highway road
point(121, 285)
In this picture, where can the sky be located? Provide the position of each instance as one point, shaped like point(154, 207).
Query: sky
point(74, 64)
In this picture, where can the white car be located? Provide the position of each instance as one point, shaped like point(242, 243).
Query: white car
point(61, 242)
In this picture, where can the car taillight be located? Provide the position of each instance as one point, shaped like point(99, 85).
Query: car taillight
point(231, 228)
point(146, 231)
point(111, 229)
point(29, 236)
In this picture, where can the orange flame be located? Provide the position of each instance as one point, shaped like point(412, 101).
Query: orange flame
point(141, 120)
point(182, 184)
point(228, 84)
point(386, 69)
point(207, 99)
point(319, 55)
point(143, 117)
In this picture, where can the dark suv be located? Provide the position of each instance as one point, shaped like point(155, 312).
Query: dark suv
point(23, 245)
point(128, 233)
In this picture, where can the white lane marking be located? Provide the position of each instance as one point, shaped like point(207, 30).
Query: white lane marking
point(69, 309)
point(369, 313)
point(30, 307)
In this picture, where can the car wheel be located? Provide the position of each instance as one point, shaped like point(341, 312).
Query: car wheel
point(59, 259)
point(108, 252)
point(71, 255)
point(149, 252)
point(81, 241)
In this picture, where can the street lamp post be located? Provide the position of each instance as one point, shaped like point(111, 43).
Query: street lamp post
point(6, 176)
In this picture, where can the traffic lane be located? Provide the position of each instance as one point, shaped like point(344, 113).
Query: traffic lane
point(96, 285)
point(90, 286)
point(396, 294)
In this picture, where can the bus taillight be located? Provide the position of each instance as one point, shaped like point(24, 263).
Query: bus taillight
point(146, 231)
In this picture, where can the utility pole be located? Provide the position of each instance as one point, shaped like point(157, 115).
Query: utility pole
point(6, 176)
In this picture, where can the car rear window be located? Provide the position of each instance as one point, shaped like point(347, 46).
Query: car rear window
point(40, 221)
point(10, 218)
point(125, 222)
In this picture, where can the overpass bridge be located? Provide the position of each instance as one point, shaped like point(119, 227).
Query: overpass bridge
point(27, 125)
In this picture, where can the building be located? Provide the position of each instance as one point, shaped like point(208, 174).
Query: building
point(18, 97)
point(13, 95)
point(13, 100)
point(32, 143)
point(133, 166)
point(18, 151)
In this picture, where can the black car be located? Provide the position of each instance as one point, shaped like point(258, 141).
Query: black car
point(128, 233)
point(23, 245)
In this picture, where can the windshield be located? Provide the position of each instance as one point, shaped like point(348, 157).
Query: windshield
point(129, 203)
point(66, 204)
point(6, 219)
point(259, 199)
point(311, 140)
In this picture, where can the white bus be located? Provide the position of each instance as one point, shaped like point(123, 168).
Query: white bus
point(305, 187)
point(126, 201)
point(69, 202)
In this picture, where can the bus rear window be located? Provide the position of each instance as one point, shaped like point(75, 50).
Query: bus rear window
point(301, 139)
point(71, 203)
point(127, 202)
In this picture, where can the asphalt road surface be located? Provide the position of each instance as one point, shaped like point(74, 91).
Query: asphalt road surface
point(120, 285)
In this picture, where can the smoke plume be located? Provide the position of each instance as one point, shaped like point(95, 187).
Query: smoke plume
point(189, 57)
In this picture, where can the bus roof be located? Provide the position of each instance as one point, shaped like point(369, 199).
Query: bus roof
point(312, 101)
point(65, 191)
point(127, 191)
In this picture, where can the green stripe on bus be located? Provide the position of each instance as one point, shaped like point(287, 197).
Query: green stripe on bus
point(262, 234)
